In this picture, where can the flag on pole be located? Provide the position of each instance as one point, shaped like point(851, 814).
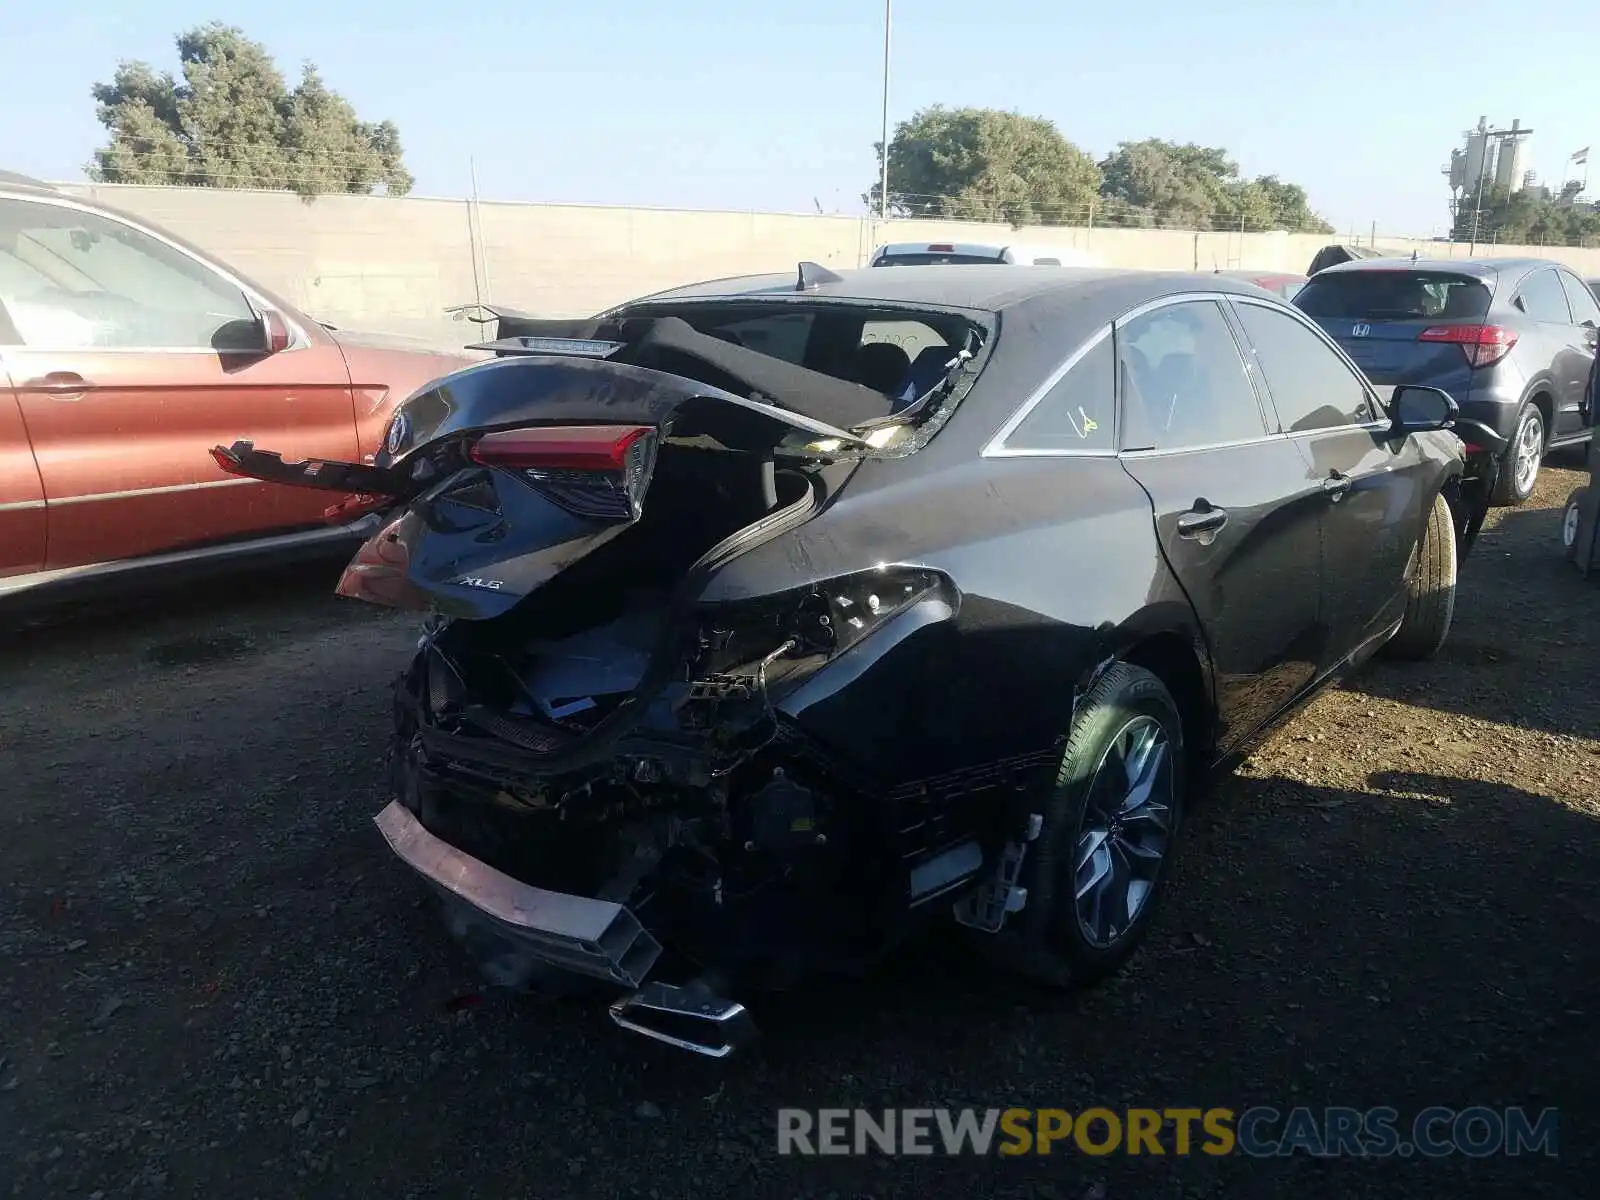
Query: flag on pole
point(1582, 156)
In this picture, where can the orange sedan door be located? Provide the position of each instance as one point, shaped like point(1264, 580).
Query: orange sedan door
point(135, 358)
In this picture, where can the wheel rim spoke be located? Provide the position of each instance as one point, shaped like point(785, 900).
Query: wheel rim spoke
point(1127, 826)
point(1528, 447)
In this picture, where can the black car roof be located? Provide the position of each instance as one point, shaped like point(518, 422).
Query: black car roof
point(976, 287)
point(14, 181)
point(1043, 314)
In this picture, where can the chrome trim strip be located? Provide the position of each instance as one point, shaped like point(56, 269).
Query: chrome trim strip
point(207, 351)
point(1159, 451)
point(996, 447)
point(21, 506)
point(1175, 298)
point(135, 493)
point(727, 1019)
point(357, 531)
point(1362, 426)
point(1007, 452)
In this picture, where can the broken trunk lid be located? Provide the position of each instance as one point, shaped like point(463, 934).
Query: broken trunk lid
point(512, 470)
point(549, 388)
point(533, 391)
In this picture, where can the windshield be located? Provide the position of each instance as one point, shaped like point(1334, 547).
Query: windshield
point(1395, 295)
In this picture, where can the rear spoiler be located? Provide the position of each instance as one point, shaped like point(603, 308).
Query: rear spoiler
point(520, 333)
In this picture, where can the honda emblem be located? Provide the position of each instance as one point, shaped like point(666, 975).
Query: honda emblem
point(1360, 330)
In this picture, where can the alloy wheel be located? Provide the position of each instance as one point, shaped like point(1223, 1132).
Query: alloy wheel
point(1529, 450)
point(1125, 832)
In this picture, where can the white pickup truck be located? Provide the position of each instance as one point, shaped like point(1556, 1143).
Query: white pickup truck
point(916, 254)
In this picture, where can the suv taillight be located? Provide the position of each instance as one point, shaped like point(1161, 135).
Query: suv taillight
point(1484, 345)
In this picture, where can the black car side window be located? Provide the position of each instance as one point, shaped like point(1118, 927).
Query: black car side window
point(1076, 413)
point(1584, 308)
point(1311, 386)
point(1182, 380)
point(1541, 297)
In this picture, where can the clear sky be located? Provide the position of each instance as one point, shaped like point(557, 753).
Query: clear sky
point(775, 106)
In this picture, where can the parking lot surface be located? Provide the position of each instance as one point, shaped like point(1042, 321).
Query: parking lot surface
point(215, 982)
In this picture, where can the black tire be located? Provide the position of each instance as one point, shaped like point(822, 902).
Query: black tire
point(1430, 586)
point(1507, 492)
point(1047, 942)
point(1571, 518)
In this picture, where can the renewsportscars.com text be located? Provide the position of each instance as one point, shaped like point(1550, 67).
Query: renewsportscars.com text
point(1257, 1132)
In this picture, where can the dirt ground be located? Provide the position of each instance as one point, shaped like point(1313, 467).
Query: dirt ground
point(214, 982)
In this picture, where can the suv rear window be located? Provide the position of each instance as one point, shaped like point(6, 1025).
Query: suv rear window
point(1394, 296)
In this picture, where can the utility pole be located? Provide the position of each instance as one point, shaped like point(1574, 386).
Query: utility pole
point(1496, 137)
point(1477, 196)
point(883, 182)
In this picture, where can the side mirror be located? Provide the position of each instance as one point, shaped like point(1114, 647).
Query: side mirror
point(1415, 408)
point(275, 332)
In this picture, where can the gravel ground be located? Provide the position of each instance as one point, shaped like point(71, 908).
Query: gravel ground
point(214, 982)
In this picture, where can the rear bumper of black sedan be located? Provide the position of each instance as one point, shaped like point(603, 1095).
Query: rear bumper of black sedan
point(513, 929)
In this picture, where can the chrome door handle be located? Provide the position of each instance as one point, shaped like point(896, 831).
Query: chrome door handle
point(60, 385)
point(1202, 524)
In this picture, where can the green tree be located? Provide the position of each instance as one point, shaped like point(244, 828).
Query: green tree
point(1156, 182)
point(1526, 217)
point(982, 164)
point(232, 121)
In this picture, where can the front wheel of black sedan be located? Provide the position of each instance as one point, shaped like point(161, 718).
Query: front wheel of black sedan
point(1101, 860)
point(1430, 589)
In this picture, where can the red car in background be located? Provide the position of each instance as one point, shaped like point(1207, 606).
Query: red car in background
point(125, 355)
point(1279, 283)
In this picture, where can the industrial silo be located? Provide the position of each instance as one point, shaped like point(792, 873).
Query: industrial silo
point(1508, 169)
point(1478, 148)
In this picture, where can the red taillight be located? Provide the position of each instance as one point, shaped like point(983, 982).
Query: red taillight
point(1484, 345)
point(942, 248)
point(226, 460)
point(560, 447)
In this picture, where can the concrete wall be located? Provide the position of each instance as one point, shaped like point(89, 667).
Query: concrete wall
point(396, 264)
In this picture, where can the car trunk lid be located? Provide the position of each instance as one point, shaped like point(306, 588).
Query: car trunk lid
point(503, 475)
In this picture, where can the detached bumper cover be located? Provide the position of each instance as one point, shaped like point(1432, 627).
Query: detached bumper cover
point(590, 937)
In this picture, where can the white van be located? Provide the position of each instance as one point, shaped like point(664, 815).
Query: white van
point(916, 254)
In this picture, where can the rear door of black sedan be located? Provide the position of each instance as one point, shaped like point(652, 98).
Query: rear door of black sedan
point(1237, 510)
point(1376, 486)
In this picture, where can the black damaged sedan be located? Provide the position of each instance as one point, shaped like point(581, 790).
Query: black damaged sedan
point(772, 616)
